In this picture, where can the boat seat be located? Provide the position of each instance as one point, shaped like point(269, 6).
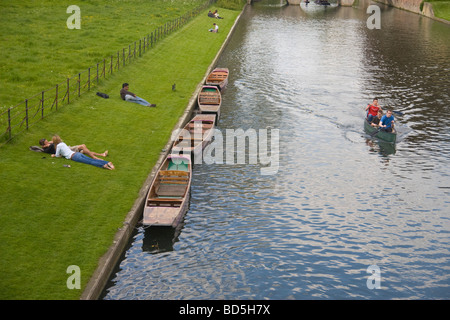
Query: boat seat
point(209, 100)
point(204, 126)
point(192, 138)
point(218, 76)
point(173, 177)
point(157, 202)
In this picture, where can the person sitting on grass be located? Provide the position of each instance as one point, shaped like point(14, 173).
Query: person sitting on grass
point(215, 28)
point(131, 97)
point(48, 147)
point(216, 15)
point(62, 150)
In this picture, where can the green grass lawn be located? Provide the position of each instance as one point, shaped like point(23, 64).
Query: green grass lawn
point(39, 51)
point(52, 216)
point(441, 9)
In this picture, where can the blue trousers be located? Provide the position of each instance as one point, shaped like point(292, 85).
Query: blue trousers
point(136, 99)
point(79, 157)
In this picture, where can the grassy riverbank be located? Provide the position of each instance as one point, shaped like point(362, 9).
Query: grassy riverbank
point(441, 9)
point(53, 216)
point(40, 51)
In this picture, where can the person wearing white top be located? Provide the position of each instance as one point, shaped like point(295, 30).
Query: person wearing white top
point(216, 28)
point(62, 150)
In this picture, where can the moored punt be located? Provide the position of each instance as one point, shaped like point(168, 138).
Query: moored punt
point(380, 134)
point(209, 100)
point(196, 135)
point(218, 77)
point(168, 197)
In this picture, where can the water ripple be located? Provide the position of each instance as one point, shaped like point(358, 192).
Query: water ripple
point(340, 201)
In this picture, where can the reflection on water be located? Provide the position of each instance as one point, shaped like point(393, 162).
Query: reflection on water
point(340, 201)
point(158, 240)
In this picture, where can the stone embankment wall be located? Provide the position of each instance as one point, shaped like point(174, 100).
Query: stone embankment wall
point(410, 5)
point(414, 6)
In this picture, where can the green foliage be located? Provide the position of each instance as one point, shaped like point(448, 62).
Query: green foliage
point(441, 9)
point(39, 51)
point(231, 4)
point(53, 216)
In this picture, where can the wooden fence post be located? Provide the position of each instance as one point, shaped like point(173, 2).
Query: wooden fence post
point(9, 122)
point(26, 111)
point(79, 84)
point(68, 91)
point(42, 105)
point(56, 98)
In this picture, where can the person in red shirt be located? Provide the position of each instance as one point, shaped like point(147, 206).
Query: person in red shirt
point(373, 109)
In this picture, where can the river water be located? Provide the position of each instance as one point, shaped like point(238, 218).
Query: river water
point(341, 215)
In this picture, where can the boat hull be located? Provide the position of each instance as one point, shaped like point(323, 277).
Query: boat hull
point(165, 216)
point(209, 100)
point(218, 77)
point(167, 200)
point(383, 135)
point(196, 136)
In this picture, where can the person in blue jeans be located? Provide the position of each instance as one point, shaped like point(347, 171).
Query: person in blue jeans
point(62, 150)
point(131, 97)
point(387, 122)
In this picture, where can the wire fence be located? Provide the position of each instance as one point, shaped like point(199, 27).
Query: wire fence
point(22, 116)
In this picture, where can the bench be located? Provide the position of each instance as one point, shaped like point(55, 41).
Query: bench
point(208, 98)
point(217, 76)
point(157, 202)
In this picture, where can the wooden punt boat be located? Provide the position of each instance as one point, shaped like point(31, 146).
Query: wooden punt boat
point(218, 77)
point(383, 135)
point(209, 100)
point(197, 134)
point(168, 197)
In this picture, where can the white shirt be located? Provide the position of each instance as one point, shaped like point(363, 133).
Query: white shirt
point(62, 150)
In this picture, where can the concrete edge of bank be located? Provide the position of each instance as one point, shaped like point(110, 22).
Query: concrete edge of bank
point(109, 260)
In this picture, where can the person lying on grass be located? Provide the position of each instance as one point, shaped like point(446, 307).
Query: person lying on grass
point(62, 150)
point(48, 147)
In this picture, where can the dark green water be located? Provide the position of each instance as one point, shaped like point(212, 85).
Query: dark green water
point(338, 201)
